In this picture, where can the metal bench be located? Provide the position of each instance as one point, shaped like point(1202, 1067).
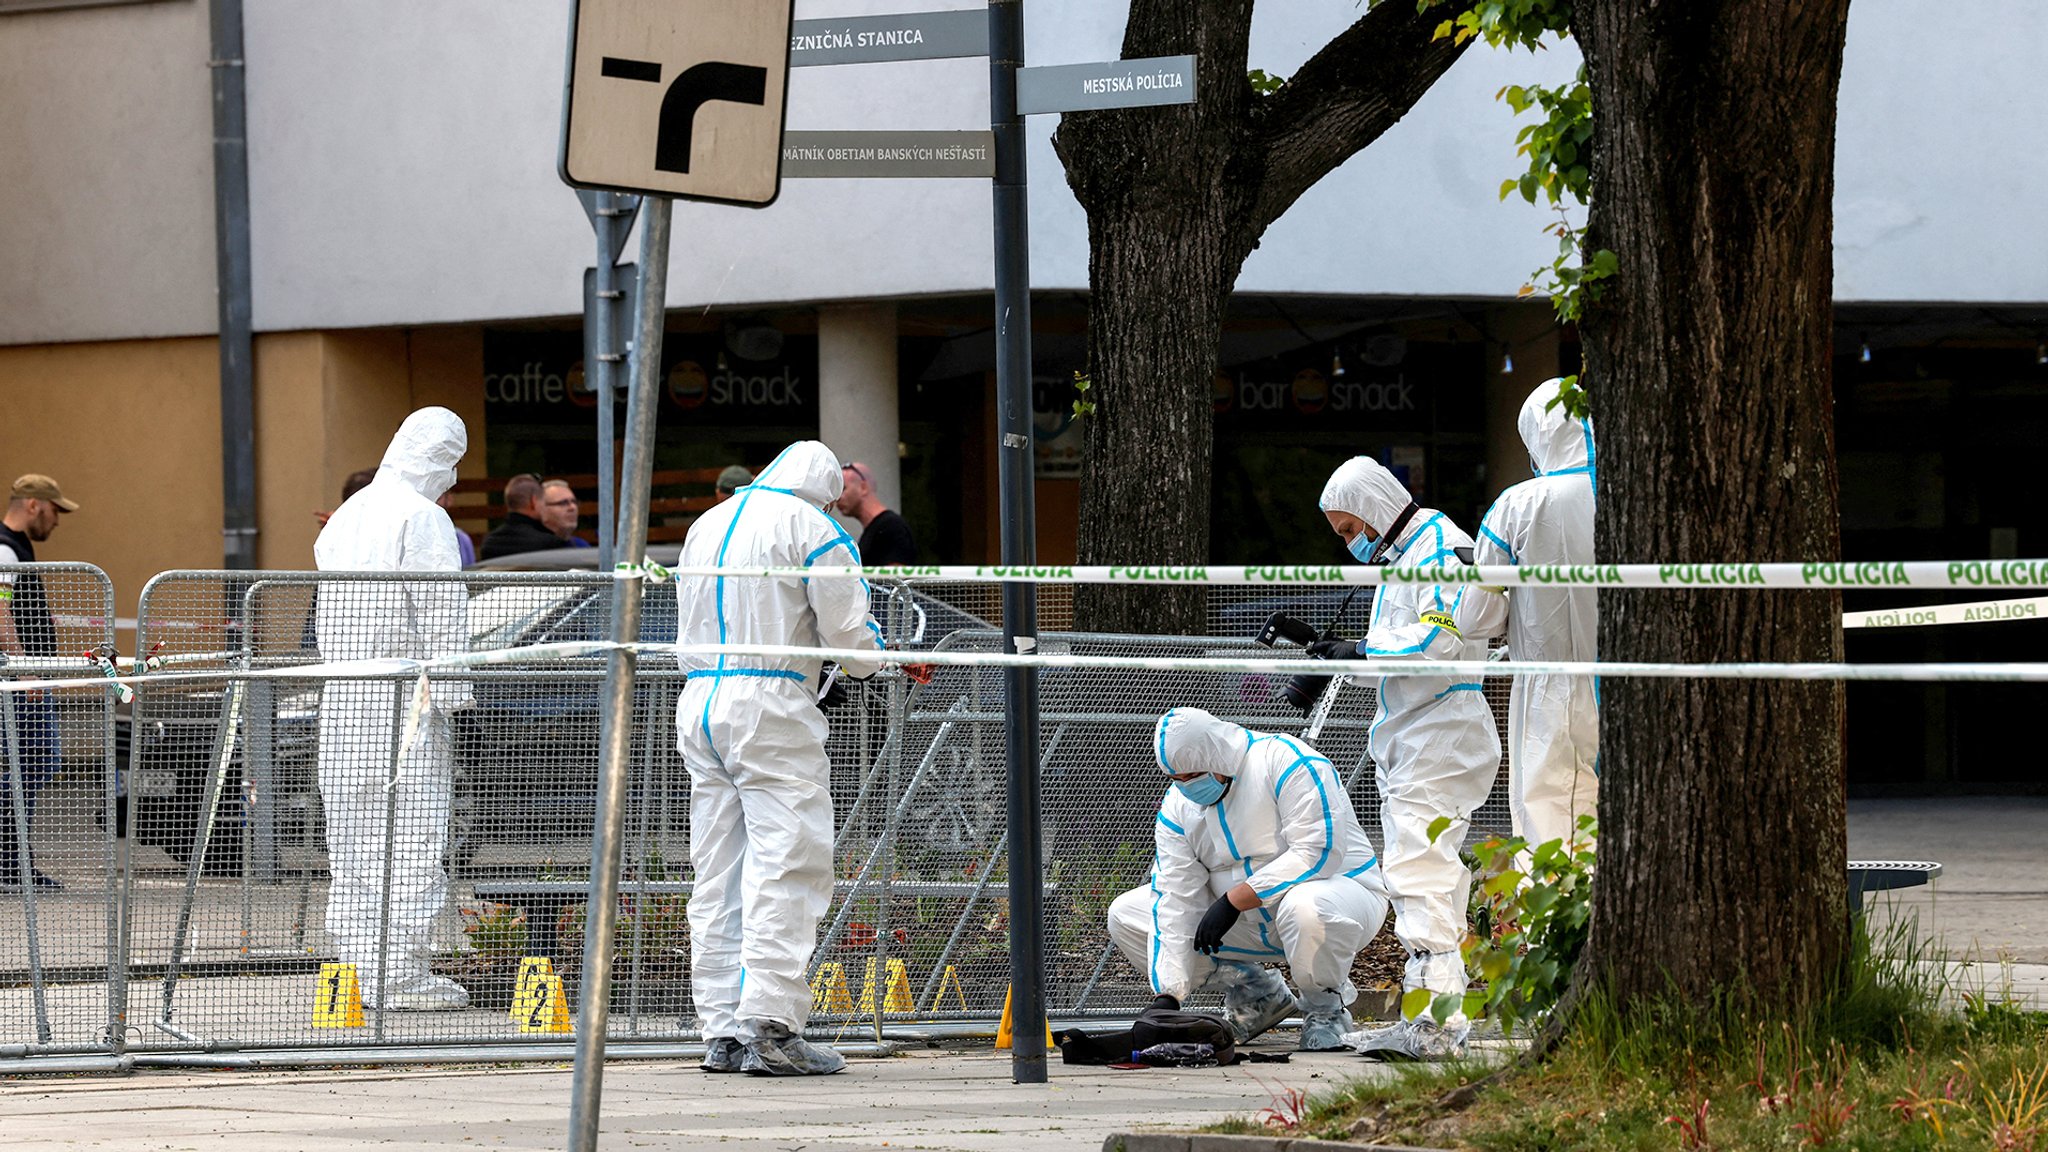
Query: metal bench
point(1885, 875)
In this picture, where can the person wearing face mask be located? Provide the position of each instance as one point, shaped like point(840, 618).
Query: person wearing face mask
point(1553, 721)
point(1434, 747)
point(753, 740)
point(1260, 860)
point(392, 525)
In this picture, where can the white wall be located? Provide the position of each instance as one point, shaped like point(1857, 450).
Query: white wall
point(1941, 164)
point(106, 173)
point(403, 170)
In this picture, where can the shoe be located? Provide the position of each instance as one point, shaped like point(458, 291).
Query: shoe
point(1324, 1022)
point(723, 1055)
point(1256, 1001)
point(773, 1050)
point(1421, 1039)
point(1356, 1041)
point(426, 993)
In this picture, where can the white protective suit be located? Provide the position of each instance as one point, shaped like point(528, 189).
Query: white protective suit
point(753, 739)
point(391, 526)
point(1286, 827)
point(1434, 746)
point(1553, 721)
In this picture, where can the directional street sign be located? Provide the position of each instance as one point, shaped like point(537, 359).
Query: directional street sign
point(1111, 84)
point(888, 154)
point(902, 36)
point(679, 98)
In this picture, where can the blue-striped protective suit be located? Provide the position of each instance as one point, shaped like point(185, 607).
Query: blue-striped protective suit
point(1434, 746)
point(1285, 827)
point(1553, 721)
point(753, 739)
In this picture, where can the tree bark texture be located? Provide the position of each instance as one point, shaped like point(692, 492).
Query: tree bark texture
point(1176, 199)
point(1707, 359)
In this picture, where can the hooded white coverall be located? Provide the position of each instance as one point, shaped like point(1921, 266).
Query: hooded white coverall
point(1553, 721)
point(1434, 747)
point(391, 526)
point(1286, 827)
point(753, 738)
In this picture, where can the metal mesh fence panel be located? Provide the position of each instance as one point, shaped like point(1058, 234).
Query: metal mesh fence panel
point(57, 796)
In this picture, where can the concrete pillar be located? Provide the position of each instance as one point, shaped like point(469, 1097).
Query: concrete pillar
point(857, 391)
point(1527, 334)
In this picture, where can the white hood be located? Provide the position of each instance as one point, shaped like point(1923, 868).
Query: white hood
point(425, 451)
point(1191, 740)
point(806, 469)
point(1556, 442)
point(1363, 487)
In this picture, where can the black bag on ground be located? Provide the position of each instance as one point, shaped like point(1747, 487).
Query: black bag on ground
point(1154, 1027)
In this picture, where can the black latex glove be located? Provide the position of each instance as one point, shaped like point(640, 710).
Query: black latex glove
point(1215, 922)
point(1164, 1003)
point(835, 695)
point(1338, 649)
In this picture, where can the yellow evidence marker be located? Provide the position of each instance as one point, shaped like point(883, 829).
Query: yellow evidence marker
point(829, 991)
point(951, 977)
point(338, 1001)
point(1003, 1029)
point(532, 984)
point(550, 1009)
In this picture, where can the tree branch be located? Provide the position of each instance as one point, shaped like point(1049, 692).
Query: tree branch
point(1359, 85)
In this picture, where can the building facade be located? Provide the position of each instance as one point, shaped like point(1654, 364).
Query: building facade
point(412, 244)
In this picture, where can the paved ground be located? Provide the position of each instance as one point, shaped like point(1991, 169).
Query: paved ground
point(1989, 910)
point(1990, 906)
point(945, 1101)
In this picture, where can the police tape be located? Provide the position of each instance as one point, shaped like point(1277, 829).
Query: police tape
point(452, 667)
point(1945, 574)
point(1982, 612)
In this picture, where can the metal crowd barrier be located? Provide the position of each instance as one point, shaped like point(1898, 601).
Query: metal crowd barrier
point(57, 794)
point(221, 920)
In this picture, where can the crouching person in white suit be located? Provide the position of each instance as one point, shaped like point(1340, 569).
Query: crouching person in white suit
point(1260, 860)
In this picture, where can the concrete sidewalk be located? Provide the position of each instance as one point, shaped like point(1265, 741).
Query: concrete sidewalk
point(1988, 913)
point(924, 1100)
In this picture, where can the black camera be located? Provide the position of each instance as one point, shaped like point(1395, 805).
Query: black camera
point(1301, 689)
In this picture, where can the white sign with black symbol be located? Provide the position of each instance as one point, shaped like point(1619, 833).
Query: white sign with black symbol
point(681, 98)
point(1111, 84)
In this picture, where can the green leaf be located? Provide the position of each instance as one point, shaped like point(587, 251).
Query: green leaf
point(1437, 826)
point(1445, 1006)
point(1415, 1002)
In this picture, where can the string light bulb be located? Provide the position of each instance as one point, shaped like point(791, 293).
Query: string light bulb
point(1865, 354)
point(1507, 362)
point(2041, 353)
point(1336, 364)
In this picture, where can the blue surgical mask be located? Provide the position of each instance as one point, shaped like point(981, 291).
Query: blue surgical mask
point(1203, 790)
point(1361, 546)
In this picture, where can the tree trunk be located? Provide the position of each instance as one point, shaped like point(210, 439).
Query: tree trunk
point(1176, 199)
point(1708, 360)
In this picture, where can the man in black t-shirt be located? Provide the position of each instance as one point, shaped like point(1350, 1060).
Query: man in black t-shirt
point(27, 629)
point(885, 535)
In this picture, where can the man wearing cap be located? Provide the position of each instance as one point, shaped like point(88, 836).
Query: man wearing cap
point(27, 629)
point(734, 478)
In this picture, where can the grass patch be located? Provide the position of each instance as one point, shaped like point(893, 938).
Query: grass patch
point(1887, 1062)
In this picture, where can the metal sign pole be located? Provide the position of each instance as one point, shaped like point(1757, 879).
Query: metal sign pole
point(601, 913)
point(602, 380)
point(611, 217)
point(1019, 534)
